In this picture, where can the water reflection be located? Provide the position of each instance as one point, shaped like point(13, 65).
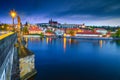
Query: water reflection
point(47, 40)
point(73, 41)
point(117, 42)
point(69, 41)
point(77, 51)
point(34, 39)
point(64, 43)
point(101, 43)
point(50, 40)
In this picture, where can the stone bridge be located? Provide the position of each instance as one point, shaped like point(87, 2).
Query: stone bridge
point(9, 63)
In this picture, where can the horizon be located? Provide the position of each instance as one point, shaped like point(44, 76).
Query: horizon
point(96, 12)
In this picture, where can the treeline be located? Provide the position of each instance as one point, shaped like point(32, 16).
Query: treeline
point(4, 27)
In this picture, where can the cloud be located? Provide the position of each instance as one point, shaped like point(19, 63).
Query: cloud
point(74, 10)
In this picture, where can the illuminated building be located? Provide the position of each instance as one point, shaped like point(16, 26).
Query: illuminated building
point(35, 30)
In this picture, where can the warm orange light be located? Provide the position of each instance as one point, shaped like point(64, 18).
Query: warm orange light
point(64, 43)
point(64, 35)
point(2, 26)
point(47, 40)
point(13, 14)
point(101, 42)
point(26, 39)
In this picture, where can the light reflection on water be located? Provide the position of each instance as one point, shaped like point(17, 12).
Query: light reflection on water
point(64, 43)
point(68, 41)
point(83, 59)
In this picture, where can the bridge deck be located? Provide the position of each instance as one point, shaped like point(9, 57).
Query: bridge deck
point(2, 36)
point(6, 42)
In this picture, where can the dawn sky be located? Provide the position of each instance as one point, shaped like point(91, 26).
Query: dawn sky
point(90, 12)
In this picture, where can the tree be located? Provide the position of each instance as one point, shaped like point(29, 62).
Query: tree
point(118, 33)
point(4, 27)
point(49, 31)
point(25, 30)
point(41, 35)
point(72, 33)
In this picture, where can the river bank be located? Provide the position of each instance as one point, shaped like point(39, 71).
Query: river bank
point(74, 37)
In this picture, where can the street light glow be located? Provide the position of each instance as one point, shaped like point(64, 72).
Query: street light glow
point(13, 14)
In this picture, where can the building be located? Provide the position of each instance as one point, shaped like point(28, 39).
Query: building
point(101, 30)
point(82, 26)
point(88, 34)
point(68, 25)
point(43, 24)
point(35, 30)
point(49, 34)
point(59, 32)
point(73, 29)
point(53, 23)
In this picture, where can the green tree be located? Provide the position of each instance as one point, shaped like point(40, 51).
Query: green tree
point(41, 35)
point(72, 33)
point(25, 30)
point(4, 27)
point(49, 31)
point(118, 33)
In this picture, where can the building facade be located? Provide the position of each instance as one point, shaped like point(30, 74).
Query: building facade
point(35, 30)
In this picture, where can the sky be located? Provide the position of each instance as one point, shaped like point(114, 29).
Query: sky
point(90, 12)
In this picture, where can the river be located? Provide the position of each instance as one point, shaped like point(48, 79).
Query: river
point(75, 59)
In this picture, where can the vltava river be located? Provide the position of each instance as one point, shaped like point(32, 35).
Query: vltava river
point(75, 59)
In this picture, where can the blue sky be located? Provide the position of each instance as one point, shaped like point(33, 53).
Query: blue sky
point(90, 12)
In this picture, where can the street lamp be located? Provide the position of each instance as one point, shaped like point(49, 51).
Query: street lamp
point(13, 14)
point(2, 29)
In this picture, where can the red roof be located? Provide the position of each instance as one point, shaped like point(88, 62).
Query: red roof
point(34, 28)
point(62, 29)
point(84, 30)
point(99, 29)
point(72, 29)
point(87, 33)
point(48, 34)
point(109, 33)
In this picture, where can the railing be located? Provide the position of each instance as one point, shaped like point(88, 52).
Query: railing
point(7, 42)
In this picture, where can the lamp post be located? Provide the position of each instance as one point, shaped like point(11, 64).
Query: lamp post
point(2, 29)
point(13, 14)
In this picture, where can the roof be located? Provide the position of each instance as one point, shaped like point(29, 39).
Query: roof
point(62, 29)
point(84, 30)
point(49, 33)
point(34, 28)
point(99, 29)
point(87, 33)
point(72, 29)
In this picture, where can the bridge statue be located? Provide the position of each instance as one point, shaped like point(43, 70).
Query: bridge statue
point(19, 30)
point(26, 69)
point(19, 23)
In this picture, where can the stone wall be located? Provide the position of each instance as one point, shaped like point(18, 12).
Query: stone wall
point(8, 57)
point(26, 65)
